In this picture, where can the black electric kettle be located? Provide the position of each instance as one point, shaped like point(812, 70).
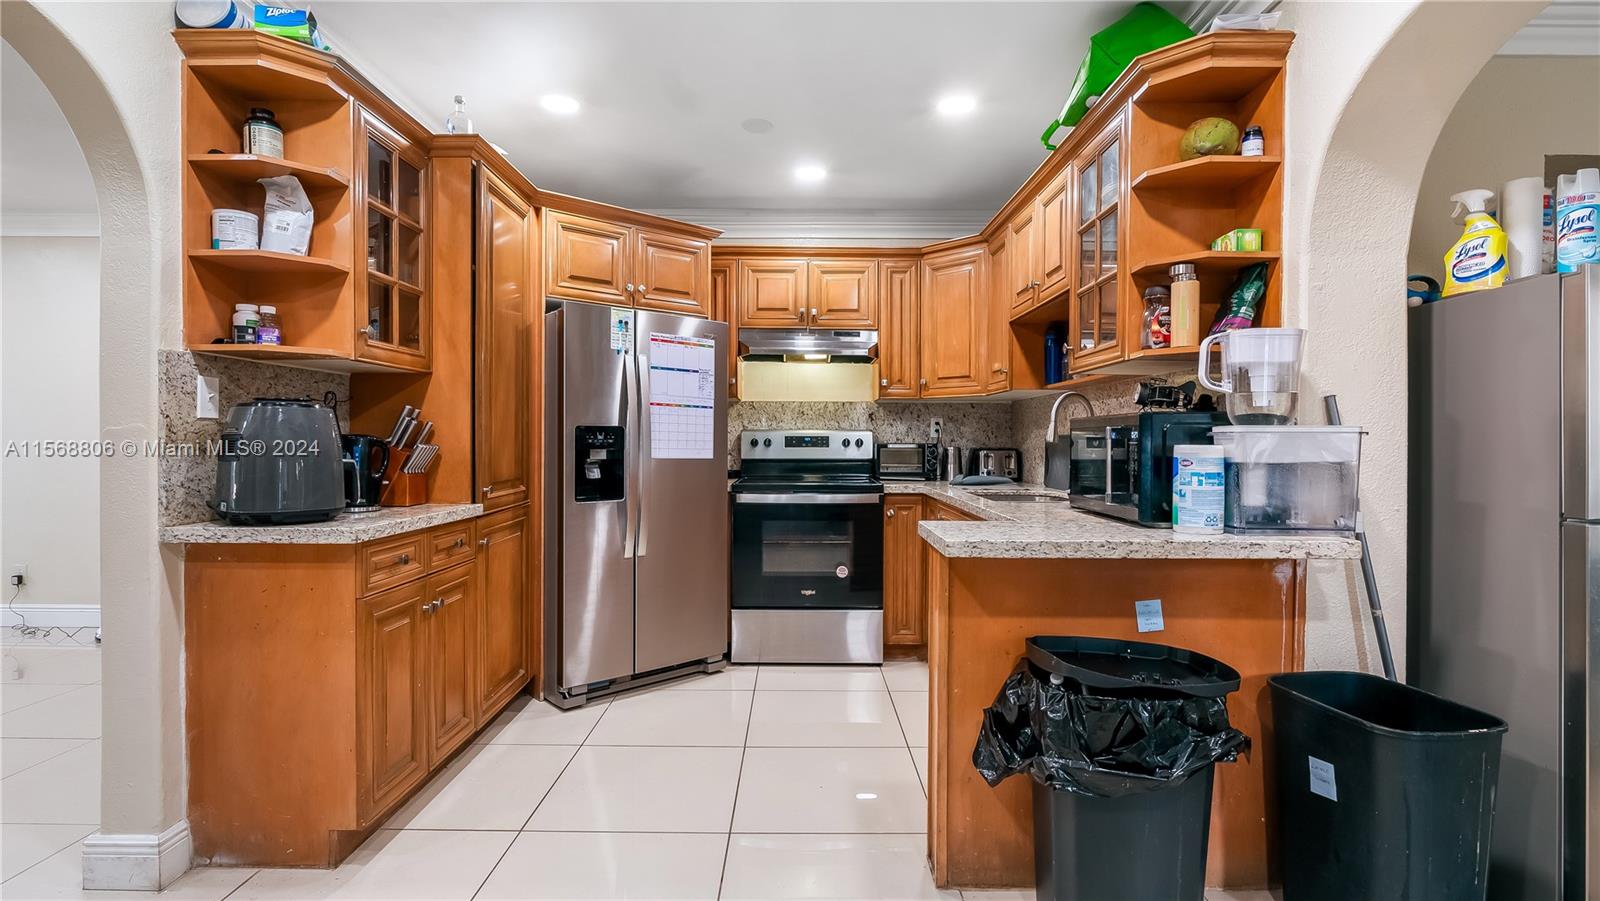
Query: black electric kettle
point(365, 459)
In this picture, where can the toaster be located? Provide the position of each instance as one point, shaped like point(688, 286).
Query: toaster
point(281, 463)
point(1005, 462)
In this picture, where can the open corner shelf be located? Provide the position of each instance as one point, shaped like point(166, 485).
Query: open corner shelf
point(248, 167)
point(264, 78)
point(1210, 172)
point(323, 359)
point(268, 261)
point(1207, 263)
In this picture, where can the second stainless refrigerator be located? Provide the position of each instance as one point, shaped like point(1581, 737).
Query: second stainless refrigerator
point(636, 517)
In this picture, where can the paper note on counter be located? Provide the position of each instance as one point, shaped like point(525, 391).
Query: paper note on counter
point(683, 396)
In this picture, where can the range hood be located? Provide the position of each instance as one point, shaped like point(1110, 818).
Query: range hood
point(802, 345)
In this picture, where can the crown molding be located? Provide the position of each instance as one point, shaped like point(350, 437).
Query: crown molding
point(1564, 28)
point(49, 225)
point(837, 228)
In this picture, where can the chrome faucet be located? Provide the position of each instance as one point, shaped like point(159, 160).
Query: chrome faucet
point(1058, 457)
point(1055, 409)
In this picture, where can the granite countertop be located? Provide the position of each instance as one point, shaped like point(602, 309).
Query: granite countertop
point(346, 528)
point(1050, 530)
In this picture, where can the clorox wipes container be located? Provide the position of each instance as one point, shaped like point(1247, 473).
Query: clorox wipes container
point(1478, 260)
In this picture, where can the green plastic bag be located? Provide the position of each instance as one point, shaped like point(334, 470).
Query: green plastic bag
point(1146, 27)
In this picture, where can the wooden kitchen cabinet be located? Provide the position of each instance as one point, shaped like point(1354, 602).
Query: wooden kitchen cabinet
point(843, 294)
point(899, 361)
point(905, 603)
point(450, 650)
point(504, 298)
point(393, 319)
point(997, 309)
point(723, 275)
point(586, 259)
point(1021, 274)
point(505, 626)
point(1054, 268)
point(604, 261)
point(1096, 310)
point(772, 293)
point(671, 273)
point(954, 309)
point(391, 719)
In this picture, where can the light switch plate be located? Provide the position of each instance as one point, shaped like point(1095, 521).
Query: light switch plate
point(206, 390)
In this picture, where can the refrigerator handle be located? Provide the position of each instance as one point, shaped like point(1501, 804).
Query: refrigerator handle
point(630, 491)
point(643, 375)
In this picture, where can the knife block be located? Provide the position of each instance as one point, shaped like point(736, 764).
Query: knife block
point(402, 489)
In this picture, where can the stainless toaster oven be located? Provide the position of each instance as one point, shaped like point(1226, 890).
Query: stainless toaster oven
point(908, 462)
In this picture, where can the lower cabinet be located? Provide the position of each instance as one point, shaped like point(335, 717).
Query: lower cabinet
point(905, 603)
point(325, 683)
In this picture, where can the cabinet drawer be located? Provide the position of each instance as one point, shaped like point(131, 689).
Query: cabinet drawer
point(449, 545)
point(392, 561)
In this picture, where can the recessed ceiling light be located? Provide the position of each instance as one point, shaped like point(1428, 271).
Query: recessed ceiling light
point(560, 104)
point(954, 105)
point(810, 173)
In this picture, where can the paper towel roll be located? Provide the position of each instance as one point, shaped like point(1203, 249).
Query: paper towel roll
point(1522, 217)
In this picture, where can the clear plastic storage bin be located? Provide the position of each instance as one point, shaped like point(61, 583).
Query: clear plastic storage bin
point(1291, 478)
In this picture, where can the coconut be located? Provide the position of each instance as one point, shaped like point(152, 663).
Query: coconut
point(1211, 136)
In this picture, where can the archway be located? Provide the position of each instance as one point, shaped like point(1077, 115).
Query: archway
point(118, 101)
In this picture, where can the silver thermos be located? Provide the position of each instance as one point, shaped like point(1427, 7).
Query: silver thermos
point(952, 463)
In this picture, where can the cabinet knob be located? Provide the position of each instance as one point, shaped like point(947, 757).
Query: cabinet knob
point(643, 289)
point(922, 381)
point(889, 513)
point(630, 287)
point(461, 542)
point(403, 559)
point(483, 542)
point(486, 490)
point(883, 383)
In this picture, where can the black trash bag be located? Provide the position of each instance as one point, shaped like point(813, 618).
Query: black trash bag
point(1097, 742)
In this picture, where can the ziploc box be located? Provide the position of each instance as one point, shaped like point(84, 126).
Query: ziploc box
point(1240, 240)
point(287, 22)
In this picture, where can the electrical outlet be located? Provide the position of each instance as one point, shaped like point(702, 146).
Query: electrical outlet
point(935, 429)
point(19, 575)
point(206, 390)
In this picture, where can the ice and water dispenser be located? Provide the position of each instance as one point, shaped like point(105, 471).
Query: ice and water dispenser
point(597, 456)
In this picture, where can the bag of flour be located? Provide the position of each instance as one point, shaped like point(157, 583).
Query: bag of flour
point(286, 217)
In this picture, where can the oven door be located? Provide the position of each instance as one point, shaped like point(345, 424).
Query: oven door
point(797, 551)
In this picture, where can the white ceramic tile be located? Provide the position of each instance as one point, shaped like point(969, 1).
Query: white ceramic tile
point(61, 876)
point(836, 867)
point(608, 865)
point(906, 675)
point(14, 695)
point(1004, 895)
point(734, 678)
point(820, 678)
point(73, 714)
point(17, 754)
point(828, 719)
point(486, 787)
point(22, 846)
point(919, 757)
point(78, 666)
point(609, 789)
point(912, 706)
point(676, 718)
point(425, 866)
point(531, 721)
point(63, 789)
point(798, 790)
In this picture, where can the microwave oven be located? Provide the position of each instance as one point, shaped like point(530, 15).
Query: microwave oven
point(1122, 465)
point(908, 461)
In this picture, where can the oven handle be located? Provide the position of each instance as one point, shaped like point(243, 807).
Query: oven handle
point(807, 498)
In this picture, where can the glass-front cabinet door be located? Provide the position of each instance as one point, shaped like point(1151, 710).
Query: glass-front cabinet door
point(392, 320)
point(1096, 296)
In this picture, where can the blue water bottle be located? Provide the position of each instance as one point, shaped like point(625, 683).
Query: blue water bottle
point(1053, 360)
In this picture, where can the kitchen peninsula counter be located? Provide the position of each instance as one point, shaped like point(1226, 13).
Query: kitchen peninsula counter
point(346, 528)
point(1042, 568)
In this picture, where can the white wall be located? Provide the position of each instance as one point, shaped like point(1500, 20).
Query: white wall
point(49, 389)
point(1516, 111)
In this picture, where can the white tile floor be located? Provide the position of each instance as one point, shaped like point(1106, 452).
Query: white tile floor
point(754, 783)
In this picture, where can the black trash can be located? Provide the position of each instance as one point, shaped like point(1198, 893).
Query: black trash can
point(1120, 738)
point(1384, 790)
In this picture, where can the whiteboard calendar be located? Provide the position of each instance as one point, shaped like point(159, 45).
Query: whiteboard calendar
point(683, 396)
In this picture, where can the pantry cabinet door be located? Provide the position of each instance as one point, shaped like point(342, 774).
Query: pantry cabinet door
point(843, 294)
point(503, 344)
point(899, 360)
point(586, 259)
point(772, 293)
point(671, 274)
point(954, 308)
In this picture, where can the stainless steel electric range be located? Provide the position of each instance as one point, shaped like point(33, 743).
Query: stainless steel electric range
point(807, 549)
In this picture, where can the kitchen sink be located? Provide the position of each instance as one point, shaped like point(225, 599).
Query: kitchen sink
point(1022, 498)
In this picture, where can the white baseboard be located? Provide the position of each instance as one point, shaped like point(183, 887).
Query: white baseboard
point(61, 616)
point(138, 863)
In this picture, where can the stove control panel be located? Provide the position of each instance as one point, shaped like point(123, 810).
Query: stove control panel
point(806, 445)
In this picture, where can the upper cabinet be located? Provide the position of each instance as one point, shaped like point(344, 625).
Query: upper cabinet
point(392, 318)
point(603, 260)
point(954, 310)
point(899, 363)
point(1055, 235)
point(504, 341)
point(843, 294)
point(1022, 268)
point(806, 292)
point(772, 293)
point(1096, 309)
point(723, 274)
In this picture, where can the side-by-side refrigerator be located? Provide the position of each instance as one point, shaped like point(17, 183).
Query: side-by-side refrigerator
point(1504, 605)
point(636, 513)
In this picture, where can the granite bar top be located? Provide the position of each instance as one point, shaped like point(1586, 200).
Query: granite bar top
point(346, 528)
point(1055, 530)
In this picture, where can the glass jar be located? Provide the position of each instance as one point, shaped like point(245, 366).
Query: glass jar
point(1157, 331)
point(263, 136)
point(267, 326)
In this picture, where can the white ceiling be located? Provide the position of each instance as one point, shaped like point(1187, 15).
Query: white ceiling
point(44, 181)
point(666, 86)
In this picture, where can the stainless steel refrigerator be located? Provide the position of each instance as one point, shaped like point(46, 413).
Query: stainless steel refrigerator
point(636, 510)
point(1504, 606)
